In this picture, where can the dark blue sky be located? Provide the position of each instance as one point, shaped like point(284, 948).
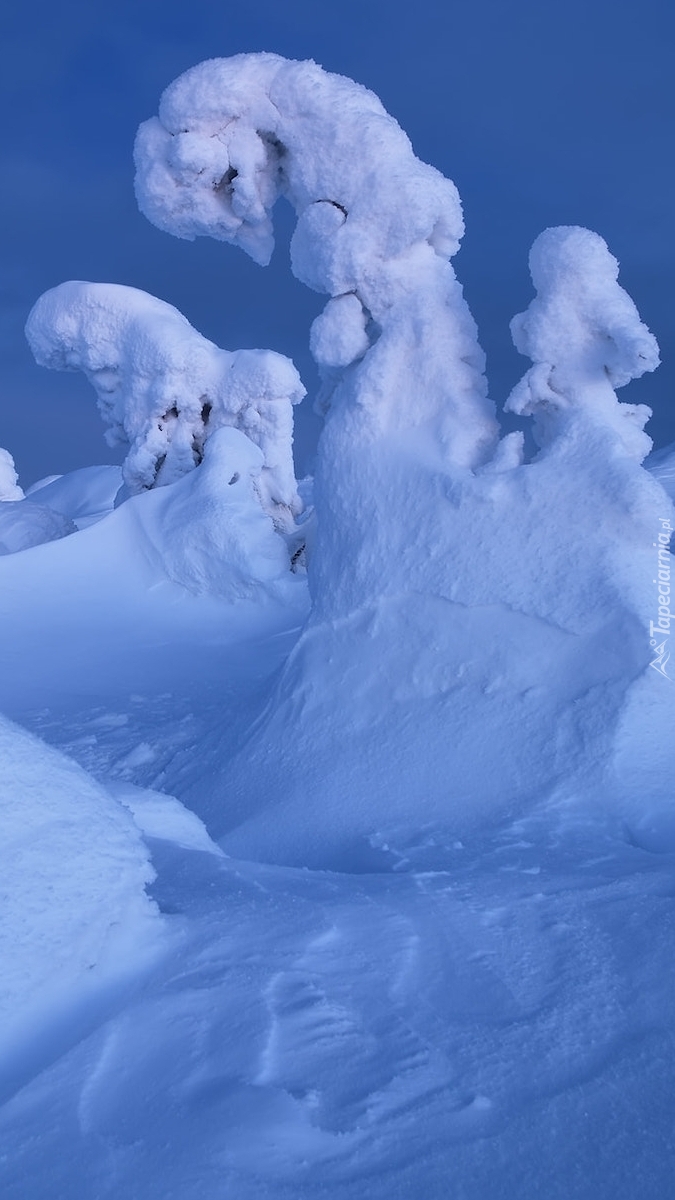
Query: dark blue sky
point(542, 114)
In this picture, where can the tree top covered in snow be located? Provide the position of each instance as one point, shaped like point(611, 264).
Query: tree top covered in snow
point(234, 134)
point(375, 229)
point(585, 338)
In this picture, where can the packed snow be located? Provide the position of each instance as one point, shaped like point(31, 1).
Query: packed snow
point(338, 818)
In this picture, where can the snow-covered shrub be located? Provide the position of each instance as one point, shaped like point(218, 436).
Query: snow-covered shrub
point(9, 484)
point(163, 388)
point(585, 338)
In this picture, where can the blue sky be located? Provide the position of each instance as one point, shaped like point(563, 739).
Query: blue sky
point(542, 114)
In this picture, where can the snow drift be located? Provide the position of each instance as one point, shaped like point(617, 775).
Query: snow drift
point(74, 869)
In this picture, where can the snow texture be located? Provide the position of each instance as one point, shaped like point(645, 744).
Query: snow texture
point(163, 389)
point(585, 338)
point(74, 870)
point(24, 524)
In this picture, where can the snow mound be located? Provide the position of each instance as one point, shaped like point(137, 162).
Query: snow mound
point(24, 524)
point(83, 496)
point(209, 530)
point(9, 485)
point(74, 870)
point(163, 817)
point(163, 388)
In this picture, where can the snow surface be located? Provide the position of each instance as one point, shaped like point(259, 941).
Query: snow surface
point(393, 839)
point(483, 1017)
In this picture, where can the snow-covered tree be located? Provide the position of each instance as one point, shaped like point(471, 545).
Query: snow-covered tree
point(9, 484)
point(163, 389)
point(396, 343)
point(585, 338)
point(376, 228)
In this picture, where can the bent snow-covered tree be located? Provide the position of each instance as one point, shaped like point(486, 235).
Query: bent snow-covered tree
point(376, 227)
point(585, 338)
point(163, 388)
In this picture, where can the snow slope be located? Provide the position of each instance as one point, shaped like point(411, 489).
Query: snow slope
point(480, 1017)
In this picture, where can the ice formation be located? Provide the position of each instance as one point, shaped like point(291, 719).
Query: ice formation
point(163, 388)
point(9, 483)
point(585, 338)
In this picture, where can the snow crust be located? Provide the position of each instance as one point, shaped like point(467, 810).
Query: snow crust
point(162, 388)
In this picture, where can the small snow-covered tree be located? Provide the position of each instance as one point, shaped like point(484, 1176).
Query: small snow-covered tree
point(585, 338)
point(163, 388)
point(9, 484)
